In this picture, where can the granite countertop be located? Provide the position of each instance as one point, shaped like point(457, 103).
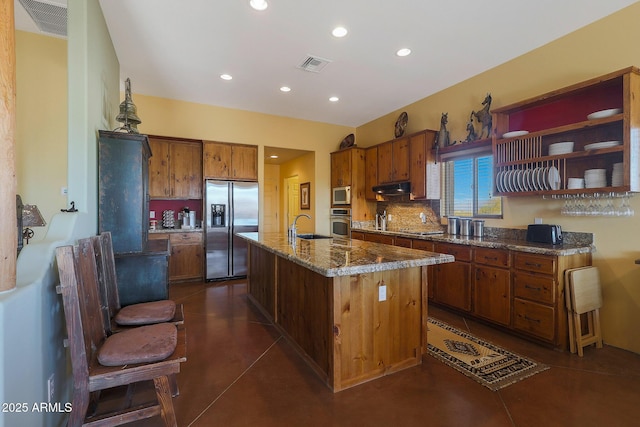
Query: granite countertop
point(176, 230)
point(344, 257)
point(492, 242)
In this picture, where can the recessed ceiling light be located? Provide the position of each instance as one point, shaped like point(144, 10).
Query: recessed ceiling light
point(334, 99)
point(273, 156)
point(339, 32)
point(403, 52)
point(226, 76)
point(285, 89)
point(258, 4)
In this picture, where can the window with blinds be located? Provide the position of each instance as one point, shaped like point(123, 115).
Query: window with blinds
point(468, 187)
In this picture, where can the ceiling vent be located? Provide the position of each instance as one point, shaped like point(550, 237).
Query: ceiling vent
point(314, 64)
point(50, 18)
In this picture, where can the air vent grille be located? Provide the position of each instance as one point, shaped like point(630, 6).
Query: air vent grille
point(314, 64)
point(50, 18)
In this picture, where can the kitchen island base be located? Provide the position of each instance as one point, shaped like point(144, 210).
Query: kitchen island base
point(350, 329)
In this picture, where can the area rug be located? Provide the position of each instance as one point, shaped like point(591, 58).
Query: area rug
point(488, 364)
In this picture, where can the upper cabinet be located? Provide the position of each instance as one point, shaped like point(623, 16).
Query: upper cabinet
point(588, 131)
point(371, 172)
point(175, 169)
point(341, 168)
point(230, 161)
point(424, 173)
point(393, 161)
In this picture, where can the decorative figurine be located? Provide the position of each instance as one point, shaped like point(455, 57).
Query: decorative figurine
point(471, 135)
point(484, 116)
point(401, 124)
point(442, 138)
point(128, 111)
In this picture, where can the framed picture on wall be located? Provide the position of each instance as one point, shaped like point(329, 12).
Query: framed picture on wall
point(305, 195)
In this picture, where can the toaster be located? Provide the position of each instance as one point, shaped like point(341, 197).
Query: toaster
point(544, 233)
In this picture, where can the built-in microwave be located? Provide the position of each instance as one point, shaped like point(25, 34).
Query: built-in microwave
point(341, 196)
point(340, 222)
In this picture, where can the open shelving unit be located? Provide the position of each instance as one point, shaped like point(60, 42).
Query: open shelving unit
point(523, 166)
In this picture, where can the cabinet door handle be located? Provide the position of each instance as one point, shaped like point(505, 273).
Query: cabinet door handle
point(533, 264)
point(535, 288)
point(488, 258)
point(531, 319)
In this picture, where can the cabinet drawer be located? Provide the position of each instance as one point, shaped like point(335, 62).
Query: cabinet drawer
point(493, 257)
point(185, 238)
point(378, 238)
point(460, 252)
point(535, 263)
point(402, 241)
point(424, 245)
point(536, 288)
point(533, 318)
point(356, 235)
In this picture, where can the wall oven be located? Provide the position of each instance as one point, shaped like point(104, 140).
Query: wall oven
point(340, 222)
point(341, 196)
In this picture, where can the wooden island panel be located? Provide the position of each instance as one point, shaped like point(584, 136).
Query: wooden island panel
point(262, 286)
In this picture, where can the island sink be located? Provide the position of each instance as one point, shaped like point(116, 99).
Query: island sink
point(313, 236)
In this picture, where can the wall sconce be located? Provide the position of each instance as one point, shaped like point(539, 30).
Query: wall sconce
point(31, 217)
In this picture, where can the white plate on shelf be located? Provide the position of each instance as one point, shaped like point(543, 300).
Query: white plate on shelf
point(507, 181)
point(604, 113)
point(499, 182)
point(603, 144)
point(515, 133)
point(527, 180)
point(553, 177)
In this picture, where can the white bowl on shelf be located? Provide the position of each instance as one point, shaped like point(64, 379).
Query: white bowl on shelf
point(515, 133)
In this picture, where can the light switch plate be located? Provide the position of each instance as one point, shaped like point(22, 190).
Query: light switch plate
point(382, 293)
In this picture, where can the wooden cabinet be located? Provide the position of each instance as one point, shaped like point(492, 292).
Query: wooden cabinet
point(378, 238)
point(492, 285)
point(452, 281)
point(341, 168)
point(393, 161)
point(230, 161)
point(424, 173)
point(348, 169)
point(186, 260)
point(370, 172)
point(538, 295)
point(524, 165)
point(175, 169)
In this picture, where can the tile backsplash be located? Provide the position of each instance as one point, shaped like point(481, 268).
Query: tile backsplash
point(406, 215)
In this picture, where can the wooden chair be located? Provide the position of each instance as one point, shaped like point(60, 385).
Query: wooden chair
point(585, 297)
point(569, 305)
point(100, 362)
point(116, 316)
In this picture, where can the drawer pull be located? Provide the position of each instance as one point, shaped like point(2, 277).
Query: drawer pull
point(495, 258)
point(533, 287)
point(530, 319)
point(533, 264)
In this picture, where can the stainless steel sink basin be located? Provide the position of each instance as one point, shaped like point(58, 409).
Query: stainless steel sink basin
point(313, 236)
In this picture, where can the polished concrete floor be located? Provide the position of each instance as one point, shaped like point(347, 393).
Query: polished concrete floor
point(241, 372)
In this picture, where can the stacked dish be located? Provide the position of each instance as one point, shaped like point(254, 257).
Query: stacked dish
point(595, 178)
point(574, 183)
point(603, 144)
point(604, 113)
point(617, 175)
point(515, 133)
point(561, 148)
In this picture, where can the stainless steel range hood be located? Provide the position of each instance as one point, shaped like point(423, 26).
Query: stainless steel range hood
point(396, 189)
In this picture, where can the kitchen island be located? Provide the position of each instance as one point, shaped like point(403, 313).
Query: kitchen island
point(354, 310)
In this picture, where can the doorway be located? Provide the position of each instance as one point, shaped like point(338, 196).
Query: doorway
point(292, 200)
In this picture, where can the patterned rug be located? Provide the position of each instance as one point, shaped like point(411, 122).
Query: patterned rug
point(488, 364)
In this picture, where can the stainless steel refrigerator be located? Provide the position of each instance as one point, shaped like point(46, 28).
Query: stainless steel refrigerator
point(230, 208)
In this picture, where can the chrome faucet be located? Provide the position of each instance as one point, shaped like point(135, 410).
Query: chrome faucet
point(293, 231)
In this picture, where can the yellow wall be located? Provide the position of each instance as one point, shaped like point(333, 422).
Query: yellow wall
point(167, 117)
point(302, 167)
point(604, 46)
point(41, 123)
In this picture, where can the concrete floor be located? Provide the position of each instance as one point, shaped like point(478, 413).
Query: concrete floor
point(241, 372)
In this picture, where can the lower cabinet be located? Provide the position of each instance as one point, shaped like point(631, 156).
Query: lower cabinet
point(492, 285)
point(452, 281)
point(186, 261)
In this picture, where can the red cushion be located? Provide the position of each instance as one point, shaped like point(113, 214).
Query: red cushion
point(146, 313)
point(144, 344)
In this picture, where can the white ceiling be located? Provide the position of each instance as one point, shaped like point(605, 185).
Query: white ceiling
point(178, 49)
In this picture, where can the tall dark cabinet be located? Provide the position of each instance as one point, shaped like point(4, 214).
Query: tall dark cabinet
point(123, 209)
